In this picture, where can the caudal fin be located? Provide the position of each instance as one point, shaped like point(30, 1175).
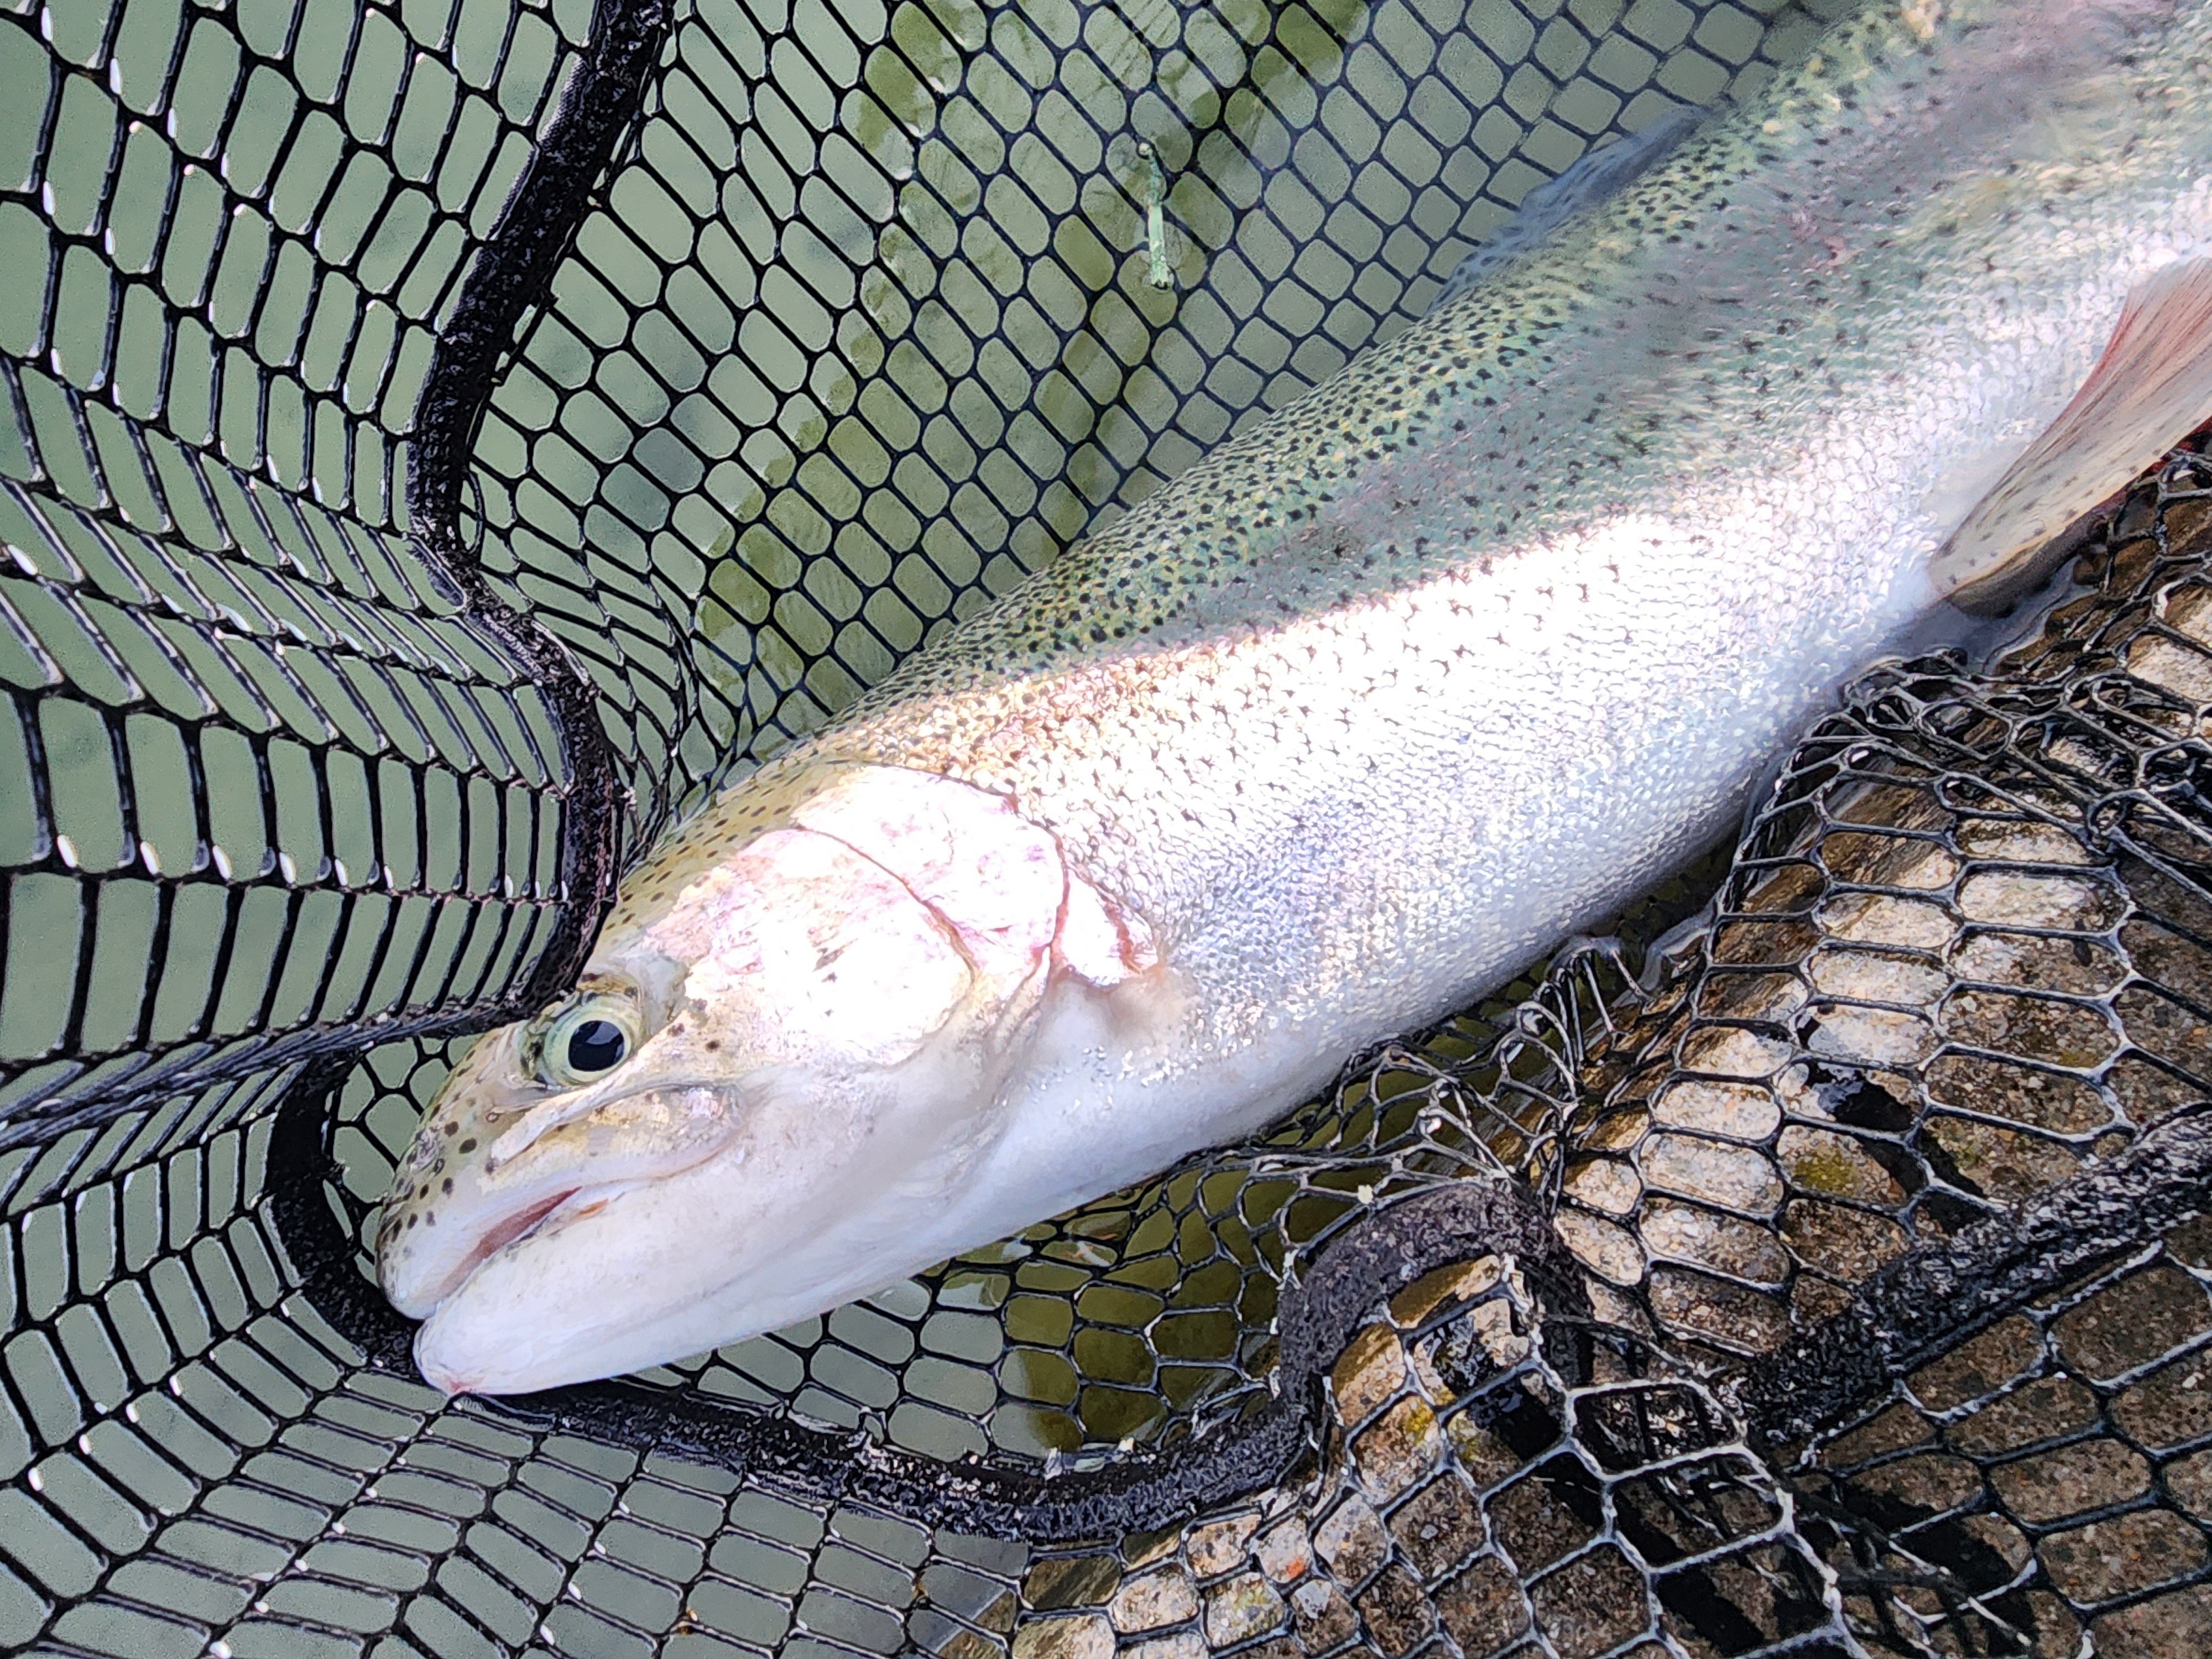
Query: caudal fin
point(2150, 389)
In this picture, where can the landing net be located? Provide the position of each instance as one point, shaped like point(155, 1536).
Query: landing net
point(442, 438)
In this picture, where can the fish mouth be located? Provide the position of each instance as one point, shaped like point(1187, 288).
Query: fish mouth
point(554, 1208)
point(499, 1237)
point(418, 1296)
point(571, 1204)
point(429, 1247)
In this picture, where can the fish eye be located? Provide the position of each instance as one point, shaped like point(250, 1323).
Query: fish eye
point(596, 1046)
point(586, 1040)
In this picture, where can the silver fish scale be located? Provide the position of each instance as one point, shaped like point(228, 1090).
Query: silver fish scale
point(1266, 685)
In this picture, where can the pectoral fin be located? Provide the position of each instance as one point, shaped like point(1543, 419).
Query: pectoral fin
point(2150, 389)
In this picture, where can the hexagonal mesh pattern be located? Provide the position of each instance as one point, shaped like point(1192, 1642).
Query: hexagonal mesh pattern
point(444, 437)
point(866, 330)
point(272, 781)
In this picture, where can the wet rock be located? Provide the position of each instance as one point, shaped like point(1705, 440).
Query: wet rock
point(2005, 1165)
point(2091, 1474)
point(1727, 1051)
point(2172, 1407)
point(1888, 1431)
point(1601, 1247)
point(1153, 1601)
point(2054, 1032)
point(2109, 1559)
point(1880, 919)
point(1732, 1317)
point(1285, 1551)
point(1396, 1613)
point(1439, 1527)
point(1608, 1185)
point(1245, 1606)
point(2132, 1323)
point(1369, 1371)
point(1071, 1581)
point(1547, 1513)
point(1220, 1546)
point(1979, 1366)
point(2049, 1408)
point(1918, 1487)
point(1321, 1615)
point(1592, 1605)
point(1833, 1165)
point(1483, 1609)
point(2190, 1480)
point(1402, 1447)
point(1704, 1238)
point(1733, 1177)
point(2087, 903)
point(2029, 1095)
point(2161, 1026)
point(1184, 1644)
point(2073, 967)
point(1876, 976)
point(1079, 1635)
point(1870, 1036)
point(2175, 1622)
point(1351, 1539)
point(1848, 1245)
point(1461, 1281)
point(1742, 1111)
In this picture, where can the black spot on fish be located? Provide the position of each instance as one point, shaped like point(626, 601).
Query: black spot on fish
point(447, 1185)
point(468, 1145)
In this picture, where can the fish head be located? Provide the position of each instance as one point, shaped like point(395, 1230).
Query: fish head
point(783, 1055)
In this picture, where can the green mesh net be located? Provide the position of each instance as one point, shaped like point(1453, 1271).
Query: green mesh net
point(444, 438)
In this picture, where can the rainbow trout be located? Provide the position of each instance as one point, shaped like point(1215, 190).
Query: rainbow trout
point(1357, 716)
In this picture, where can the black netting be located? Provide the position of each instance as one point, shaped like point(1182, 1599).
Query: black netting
point(444, 437)
point(274, 782)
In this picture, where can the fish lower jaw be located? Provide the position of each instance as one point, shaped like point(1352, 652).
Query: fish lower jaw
point(445, 1381)
point(525, 1349)
point(543, 1216)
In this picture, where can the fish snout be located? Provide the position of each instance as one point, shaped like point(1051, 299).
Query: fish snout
point(828, 1178)
point(475, 1195)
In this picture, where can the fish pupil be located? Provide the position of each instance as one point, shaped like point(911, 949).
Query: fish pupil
point(595, 1046)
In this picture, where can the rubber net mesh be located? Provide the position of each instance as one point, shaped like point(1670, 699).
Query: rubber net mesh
point(440, 438)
